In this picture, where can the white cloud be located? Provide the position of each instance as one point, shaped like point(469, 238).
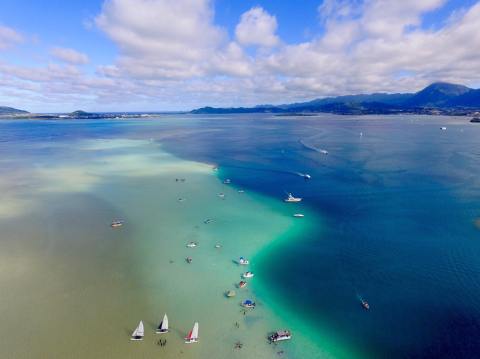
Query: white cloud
point(9, 37)
point(173, 56)
point(70, 56)
point(257, 27)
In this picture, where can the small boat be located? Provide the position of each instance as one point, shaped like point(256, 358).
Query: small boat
point(117, 223)
point(242, 284)
point(230, 294)
point(227, 181)
point(208, 220)
point(192, 244)
point(138, 333)
point(247, 275)
point(192, 337)
point(218, 245)
point(221, 195)
point(365, 304)
point(249, 304)
point(163, 327)
point(189, 260)
point(443, 128)
point(241, 191)
point(299, 215)
point(291, 198)
point(325, 152)
point(280, 335)
point(181, 200)
point(307, 176)
point(243, 261)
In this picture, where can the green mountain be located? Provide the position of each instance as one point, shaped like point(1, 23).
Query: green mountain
point(443, 96)
point(11, 111)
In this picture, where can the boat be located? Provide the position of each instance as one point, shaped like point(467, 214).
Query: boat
point(241, 191)
point(218, 245)
point(247, 275)
point(243, 261)
point(242, 284)
point(291, 198)
point(365, 304)
point(325, 152)
point(227, 181)
point(249, 304)
point(189, 260)
point(163, 327)
point(192, 337)
point(221, 195)
point(299, 215)
point(443, 128)
point(181, 200)
point(138, 333)
point(230, 294)
point(280, 335)
point(192, 244)
point(208, 220)
point(307, 176)
point(116, 223)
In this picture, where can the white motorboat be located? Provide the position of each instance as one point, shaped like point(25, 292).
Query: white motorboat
point(299, 215)
point(247, 275)
point(280, 335)
point(243, 261)
point(192, 244)
point(291, 198)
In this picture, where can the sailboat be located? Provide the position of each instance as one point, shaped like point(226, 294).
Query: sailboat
point(192, 337)
point(138, 332)
point(163, 327)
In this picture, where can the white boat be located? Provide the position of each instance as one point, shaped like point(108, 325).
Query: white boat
point(163, 327)
point(218, 245)
point(227, 181)
point(325, 152)
point(280, 335)
point(241, 191)
point(117, 223)
point(243, 261)
point(192, 337)
point(192, 245)
point(221, 195)
point(138, 332)
point(307, 176)
point(443, 128)
point(299, 215)
point(247, 275)
point(291, 198)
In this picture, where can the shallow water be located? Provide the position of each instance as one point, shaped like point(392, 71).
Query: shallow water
point(390, 217)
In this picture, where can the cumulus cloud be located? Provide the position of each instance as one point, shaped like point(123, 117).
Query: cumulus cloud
point(70, 56)
point(257, 27)
point(172, 55)
point(9, 37)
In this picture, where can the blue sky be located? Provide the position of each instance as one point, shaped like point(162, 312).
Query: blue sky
point(167, 55)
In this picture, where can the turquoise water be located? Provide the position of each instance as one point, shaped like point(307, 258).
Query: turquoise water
point(391, 215)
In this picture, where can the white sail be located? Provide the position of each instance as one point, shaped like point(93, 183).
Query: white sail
point(138, 333)
point(193, 335)
point(163, 327)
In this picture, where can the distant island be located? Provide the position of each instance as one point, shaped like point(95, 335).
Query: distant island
point(439, 98)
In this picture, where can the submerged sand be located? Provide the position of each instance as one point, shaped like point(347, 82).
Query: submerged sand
point(72, 287)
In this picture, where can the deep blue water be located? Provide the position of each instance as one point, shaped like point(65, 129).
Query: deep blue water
point(399, 205)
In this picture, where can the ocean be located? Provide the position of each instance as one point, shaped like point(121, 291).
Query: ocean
point(392, 213)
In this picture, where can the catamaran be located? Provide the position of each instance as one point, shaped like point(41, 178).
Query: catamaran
point(192, 337)
point(290, 198)
point(163, 327)
point(138, 332)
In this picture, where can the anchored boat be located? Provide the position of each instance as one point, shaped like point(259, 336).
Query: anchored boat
point(243, 261)
point(163, 326)
point(192, 337)
point(117, 223)
point(249, 304)
point(280, 335)
point(247, 275)
point(138, 333)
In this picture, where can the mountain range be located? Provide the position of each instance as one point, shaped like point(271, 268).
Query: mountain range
point(439, 97)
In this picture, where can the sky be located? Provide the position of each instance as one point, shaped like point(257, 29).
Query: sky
point(167, 55)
